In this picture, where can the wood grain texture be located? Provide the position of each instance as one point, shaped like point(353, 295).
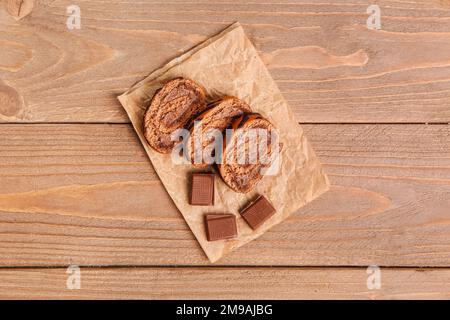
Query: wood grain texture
point(328, 65)
point(225, 283)
point(18, 8)
point(87, 194)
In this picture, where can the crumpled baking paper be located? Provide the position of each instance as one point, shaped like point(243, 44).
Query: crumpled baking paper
point(228, 64)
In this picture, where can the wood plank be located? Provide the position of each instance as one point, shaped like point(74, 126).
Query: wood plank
point(87, 194)
point(225, 283)
point(328, 65)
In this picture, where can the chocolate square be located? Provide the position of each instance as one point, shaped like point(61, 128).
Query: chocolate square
point(220, 226)
point(202, 189)
point(258, 212)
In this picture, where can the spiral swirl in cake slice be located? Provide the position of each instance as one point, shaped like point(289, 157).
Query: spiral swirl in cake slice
point(171, 108)
point(214, 120)
point(249, 152)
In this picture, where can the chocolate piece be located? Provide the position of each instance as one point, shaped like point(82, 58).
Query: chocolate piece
point(258, 212)
point(220, 226)
point(202, 189)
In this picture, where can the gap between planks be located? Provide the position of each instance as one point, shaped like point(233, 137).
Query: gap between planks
point(300, 123)
point(255, 267)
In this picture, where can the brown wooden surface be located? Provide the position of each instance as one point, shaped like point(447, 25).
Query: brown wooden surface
point(225, 283)
point(87, 194)
point(77, 188)
point(328, 65)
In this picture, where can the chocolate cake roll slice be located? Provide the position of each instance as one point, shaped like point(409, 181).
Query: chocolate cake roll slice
point(171, 108)
point(250, 151)
point(203, 129)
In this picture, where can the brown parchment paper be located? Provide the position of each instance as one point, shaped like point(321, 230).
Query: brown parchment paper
point(228, 64)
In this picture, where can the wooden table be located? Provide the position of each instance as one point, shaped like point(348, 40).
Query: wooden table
point(76, 187)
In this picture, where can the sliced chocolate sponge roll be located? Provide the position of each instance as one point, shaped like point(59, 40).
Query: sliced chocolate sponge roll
point(171, 108)
point(248, 152)
point(216, 119)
